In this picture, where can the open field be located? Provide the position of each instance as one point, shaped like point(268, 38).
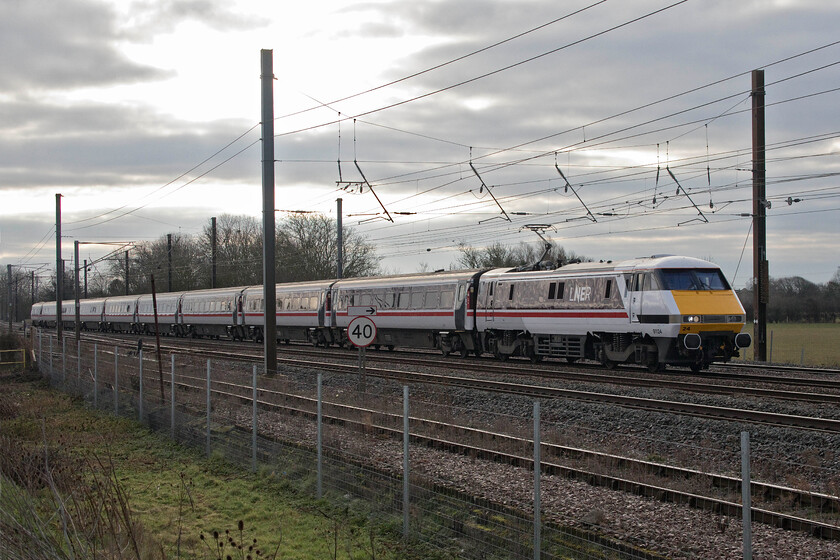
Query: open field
point(809, 344)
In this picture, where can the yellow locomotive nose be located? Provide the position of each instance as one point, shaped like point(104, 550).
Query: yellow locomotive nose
point(703, 311)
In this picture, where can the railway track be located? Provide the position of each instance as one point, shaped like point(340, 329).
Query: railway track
point(559, 459)
point(432, 433)
point(545, 392)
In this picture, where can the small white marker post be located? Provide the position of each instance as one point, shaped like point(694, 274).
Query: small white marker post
point(361, 332)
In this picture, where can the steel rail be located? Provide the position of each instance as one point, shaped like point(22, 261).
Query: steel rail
point(389, 424)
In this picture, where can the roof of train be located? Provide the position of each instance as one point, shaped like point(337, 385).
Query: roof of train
point(416, 278)
point(639, 263)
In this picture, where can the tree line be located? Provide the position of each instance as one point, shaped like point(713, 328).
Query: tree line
point(796, 300)
point(306, 249)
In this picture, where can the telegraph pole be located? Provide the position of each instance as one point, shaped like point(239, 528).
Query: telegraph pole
point(126, 273)
point(339, 265)
point(213, 252)
point(85, 278)
point(9, 286)
point(59, 271)
point(76, 290)
point(169, 259)
point(269, 276)
point(761, 270)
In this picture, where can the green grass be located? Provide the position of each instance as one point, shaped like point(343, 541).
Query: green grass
point(175, 496)
point(809, 344)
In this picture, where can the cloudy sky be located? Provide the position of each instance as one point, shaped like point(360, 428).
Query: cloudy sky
point(145, 116)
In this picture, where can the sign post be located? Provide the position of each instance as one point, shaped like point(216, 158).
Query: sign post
point(361, 332)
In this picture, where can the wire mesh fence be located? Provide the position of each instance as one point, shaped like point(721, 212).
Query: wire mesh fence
point(452, 468)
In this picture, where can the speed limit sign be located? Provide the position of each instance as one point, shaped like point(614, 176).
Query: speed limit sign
point(361, 331)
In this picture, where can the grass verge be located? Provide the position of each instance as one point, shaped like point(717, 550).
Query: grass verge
point(78, 483)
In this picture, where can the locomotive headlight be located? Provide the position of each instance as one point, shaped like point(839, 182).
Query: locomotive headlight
point(691, 318)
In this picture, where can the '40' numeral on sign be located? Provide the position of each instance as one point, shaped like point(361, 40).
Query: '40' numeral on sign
point(362, 331)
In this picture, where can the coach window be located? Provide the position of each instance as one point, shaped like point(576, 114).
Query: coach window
point(608, 289)
point(510, 295)
point(432, 300)
point(313, 302)
point(403, 300)
point(365, 299)
point(417, 300)
point(650, 282)
point(390, 299)
point(447, 299)
point(461, 291)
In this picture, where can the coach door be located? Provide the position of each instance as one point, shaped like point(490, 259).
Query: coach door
point(634, 292)
point(489, 310)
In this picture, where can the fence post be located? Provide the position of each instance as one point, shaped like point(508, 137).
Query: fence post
point(746, 499)
point(95, 377)
point(140, 406)
point(319, 492)
point(79, 362)
point(63, 359)
point(537, 471)
point(172, 397)
point(405, 461)
point(208, 408)
point(116, 380)
point(51, 359)
point(40, 350)
point(254, 422)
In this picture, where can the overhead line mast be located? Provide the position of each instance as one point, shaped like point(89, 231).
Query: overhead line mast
point(761, 272)
point(269, 274)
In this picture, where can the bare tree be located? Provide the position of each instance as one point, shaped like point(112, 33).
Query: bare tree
point(497, 255)
point(238, 250)
point(307, 248)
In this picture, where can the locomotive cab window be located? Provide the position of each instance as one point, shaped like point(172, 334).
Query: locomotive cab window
point(694, 279)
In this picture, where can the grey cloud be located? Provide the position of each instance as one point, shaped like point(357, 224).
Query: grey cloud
point(147, 18)
point(66, 44)
point(55, 45)
point(42, 145)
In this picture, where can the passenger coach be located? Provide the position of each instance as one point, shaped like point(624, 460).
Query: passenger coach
point(654, 311)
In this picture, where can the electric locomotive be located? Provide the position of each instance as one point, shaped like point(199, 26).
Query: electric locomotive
point(652, 311)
